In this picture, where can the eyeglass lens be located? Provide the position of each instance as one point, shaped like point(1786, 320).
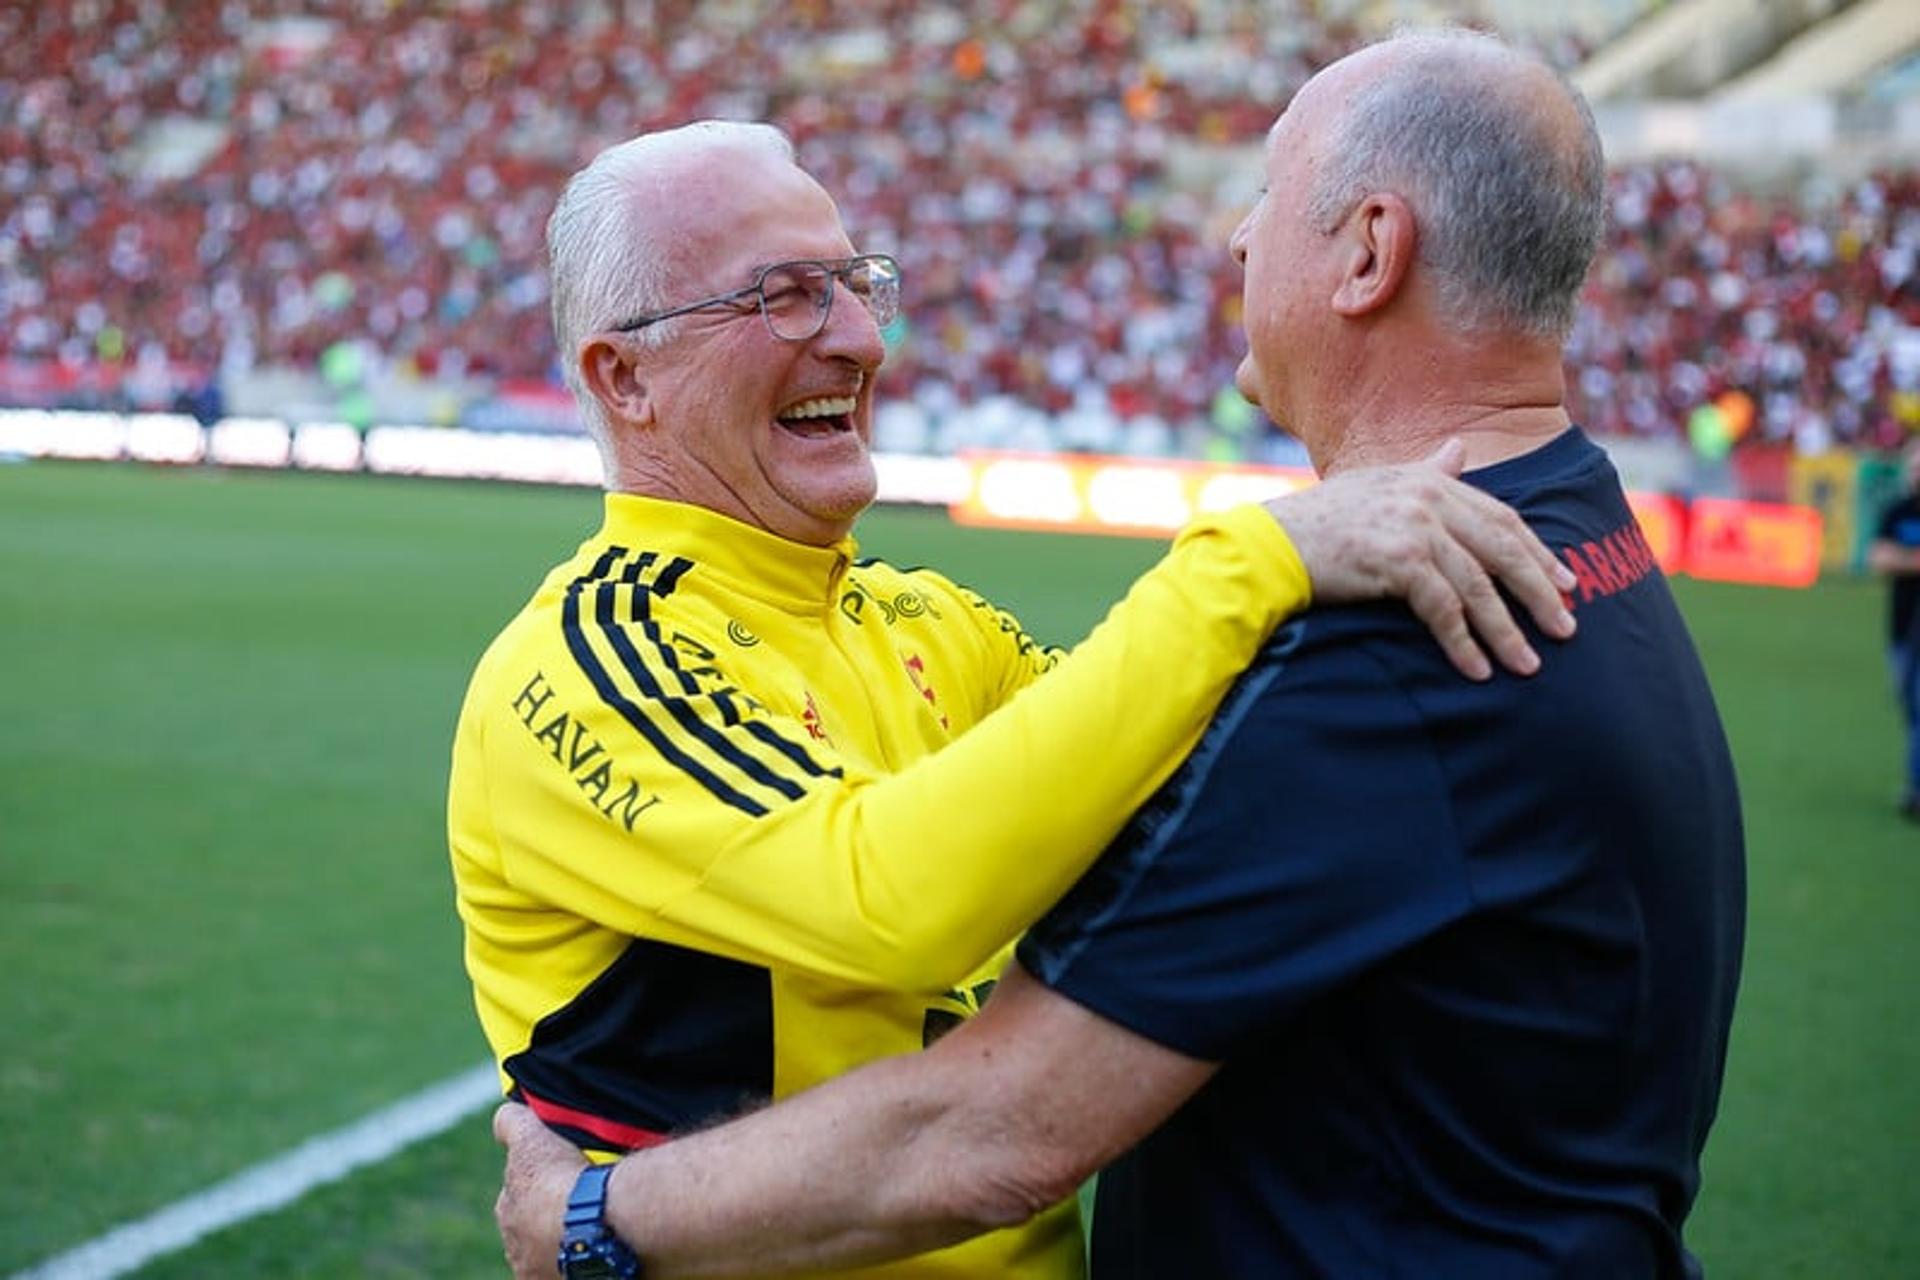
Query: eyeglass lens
point(797, 295)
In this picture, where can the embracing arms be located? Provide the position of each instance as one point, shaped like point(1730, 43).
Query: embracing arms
point(1003, 1117)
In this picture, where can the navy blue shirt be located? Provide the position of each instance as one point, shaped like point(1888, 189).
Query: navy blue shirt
point(1901, 525)
point(1467, 951)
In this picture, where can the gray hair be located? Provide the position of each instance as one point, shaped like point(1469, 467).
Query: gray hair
point(608, 260)
point(1509, 218)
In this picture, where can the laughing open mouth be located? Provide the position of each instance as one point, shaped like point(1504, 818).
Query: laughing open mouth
point(820, 417)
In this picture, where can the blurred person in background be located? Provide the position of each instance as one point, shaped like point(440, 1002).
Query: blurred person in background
point(732, 811)
point(1895, 554)
point(1399, 974)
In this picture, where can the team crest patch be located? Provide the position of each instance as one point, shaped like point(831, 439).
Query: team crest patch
point(917, 672)
point(816, 728)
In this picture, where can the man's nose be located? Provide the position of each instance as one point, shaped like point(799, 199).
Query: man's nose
point(850, 331)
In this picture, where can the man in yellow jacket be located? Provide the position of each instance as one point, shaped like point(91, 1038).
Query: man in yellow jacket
point(733, 812)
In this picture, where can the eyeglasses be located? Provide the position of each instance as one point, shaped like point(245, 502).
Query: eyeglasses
point(795, 298)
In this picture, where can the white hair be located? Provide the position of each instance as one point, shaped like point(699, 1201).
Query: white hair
point(609, 256)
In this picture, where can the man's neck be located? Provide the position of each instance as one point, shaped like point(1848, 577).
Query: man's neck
point(1499, 402)
point(1491, 435)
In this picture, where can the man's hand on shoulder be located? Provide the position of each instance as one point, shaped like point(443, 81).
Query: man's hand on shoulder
point(1417, 532)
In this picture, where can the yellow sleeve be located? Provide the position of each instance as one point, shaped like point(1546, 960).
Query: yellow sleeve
point(609, 784)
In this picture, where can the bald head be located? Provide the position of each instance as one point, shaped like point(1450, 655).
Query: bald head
point(1497, 155)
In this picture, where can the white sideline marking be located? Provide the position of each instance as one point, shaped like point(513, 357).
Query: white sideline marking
point(274, 1183)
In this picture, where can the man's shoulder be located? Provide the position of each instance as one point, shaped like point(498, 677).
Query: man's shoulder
point(525, 637)
point(1359, 646)
point(884, 574)
point(912, 592)
point(1325, 679)
point(589, 594)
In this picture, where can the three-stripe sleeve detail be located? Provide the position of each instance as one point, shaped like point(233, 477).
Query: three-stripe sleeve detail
point(664, 687)
point(603, 684)
point(790, 749)
point(676, 704)
point(722, 699)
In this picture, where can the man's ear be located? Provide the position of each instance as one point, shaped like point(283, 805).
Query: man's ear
point(1381, 239)
point(610, 374)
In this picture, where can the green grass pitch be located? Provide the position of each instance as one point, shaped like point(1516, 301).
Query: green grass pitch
point(226, 923)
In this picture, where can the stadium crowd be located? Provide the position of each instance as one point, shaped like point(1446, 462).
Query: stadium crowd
point(228, 186)
point(1808, 304)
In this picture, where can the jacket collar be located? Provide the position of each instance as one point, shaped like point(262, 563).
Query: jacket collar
point(753, 561)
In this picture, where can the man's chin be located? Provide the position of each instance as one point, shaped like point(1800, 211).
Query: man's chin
point(1244, 384)
point(841, 499)
point(860, 497)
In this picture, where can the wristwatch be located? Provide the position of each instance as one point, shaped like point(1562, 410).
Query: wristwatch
point(588, 1248)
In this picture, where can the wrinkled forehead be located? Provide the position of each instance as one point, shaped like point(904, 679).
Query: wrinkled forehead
point(733, 213)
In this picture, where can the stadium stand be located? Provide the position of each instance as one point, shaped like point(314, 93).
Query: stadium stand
point(303, 206)
point(1836, 55)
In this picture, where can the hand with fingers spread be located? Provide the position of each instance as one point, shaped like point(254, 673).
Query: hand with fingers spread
point(541, 1168)
point(1418, 533)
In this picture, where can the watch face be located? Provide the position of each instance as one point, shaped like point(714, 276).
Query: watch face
point(588, 1249)
point(589, 1264)
point(604, 1259)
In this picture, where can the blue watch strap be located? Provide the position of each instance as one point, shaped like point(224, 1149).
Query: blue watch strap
point(589, 1249)
point(587, 1203)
